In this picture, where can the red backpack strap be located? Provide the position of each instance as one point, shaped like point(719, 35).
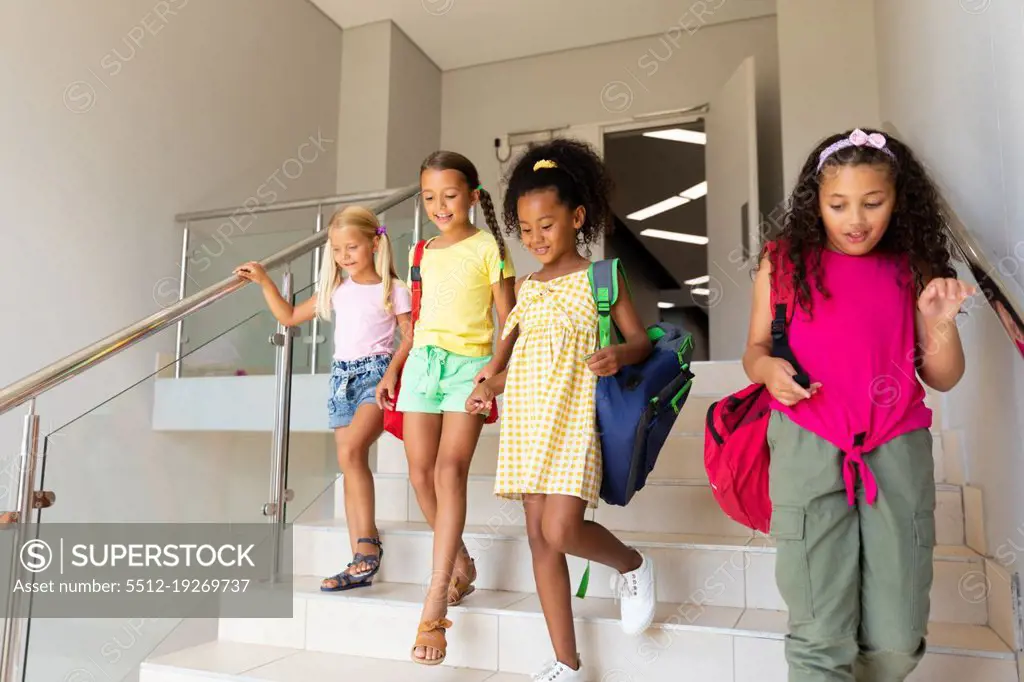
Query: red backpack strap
point(417, 279)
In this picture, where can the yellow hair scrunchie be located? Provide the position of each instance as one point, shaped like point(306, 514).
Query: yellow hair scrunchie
point(544, 163)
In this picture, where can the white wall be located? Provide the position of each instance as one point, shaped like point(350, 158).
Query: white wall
point(119, 115)
point(607, 83)
point(414, 110)
point(952, 81)
point(818, 98)
point(363, 120)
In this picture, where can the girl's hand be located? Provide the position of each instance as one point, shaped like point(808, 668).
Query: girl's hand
point(486, 373)
point(253, 272)
point(386, 391)
point(479, 401)
point(606, 362)
point(942, 298)
point(780, 383)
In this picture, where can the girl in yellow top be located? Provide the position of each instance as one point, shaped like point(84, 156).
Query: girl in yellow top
point(550, 454)
point(463, 273)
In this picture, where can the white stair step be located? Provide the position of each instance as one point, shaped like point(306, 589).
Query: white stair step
point(683, 506)
point(722, 571)
point(663, 506)
point(250, 662)
point(681, 457)
point(506, 632)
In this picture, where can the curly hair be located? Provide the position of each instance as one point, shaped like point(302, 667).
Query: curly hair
point(916, 227)
point(579, 178)
point(445, 160)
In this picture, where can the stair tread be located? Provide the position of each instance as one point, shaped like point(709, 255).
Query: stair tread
point(278, 664)
point(752, 543)
point(954, 638)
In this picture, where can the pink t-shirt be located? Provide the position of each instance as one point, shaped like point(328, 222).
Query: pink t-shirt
point(860, 344)
point(362, 326)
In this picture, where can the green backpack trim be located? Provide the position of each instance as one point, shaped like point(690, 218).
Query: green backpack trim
point(604, 285)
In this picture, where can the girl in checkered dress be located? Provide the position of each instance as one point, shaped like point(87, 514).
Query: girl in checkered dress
point(550, 453)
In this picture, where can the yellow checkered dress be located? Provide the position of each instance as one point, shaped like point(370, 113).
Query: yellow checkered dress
point(549, 440)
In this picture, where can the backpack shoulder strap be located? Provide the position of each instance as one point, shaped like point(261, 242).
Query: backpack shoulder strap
point(416, 279)
point(783, 300)
point(604, 284)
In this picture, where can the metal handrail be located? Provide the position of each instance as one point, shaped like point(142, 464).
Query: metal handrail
point(287, 205)
point(42, 380)
point(991, 281)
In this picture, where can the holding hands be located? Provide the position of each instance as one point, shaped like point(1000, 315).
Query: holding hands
point(479, 401)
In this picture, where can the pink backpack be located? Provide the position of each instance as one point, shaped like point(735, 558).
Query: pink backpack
point(736, 454)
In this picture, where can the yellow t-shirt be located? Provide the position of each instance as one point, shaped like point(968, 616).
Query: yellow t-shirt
point(455, 310)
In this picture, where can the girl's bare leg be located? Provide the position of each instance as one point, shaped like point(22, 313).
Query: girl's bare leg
point(459, 437)
point(551, 573)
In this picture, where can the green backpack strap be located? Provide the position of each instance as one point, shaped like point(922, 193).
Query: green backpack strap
point(604, 284)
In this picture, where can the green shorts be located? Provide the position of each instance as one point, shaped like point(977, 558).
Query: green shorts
point(435, 380)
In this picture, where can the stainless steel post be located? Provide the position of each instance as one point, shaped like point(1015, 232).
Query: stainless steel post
point(179, 340)
point(15, 644)
point(314, 330)
point(282, 429)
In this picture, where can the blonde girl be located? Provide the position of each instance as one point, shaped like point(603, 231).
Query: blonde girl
point(370, 303)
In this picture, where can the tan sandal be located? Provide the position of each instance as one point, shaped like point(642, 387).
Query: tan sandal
point(431, 636)
point(462, 586)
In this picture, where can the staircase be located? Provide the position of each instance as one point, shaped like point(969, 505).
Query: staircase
point(720, 617)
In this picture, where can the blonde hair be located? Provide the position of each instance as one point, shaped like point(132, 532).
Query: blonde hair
point(330, 276)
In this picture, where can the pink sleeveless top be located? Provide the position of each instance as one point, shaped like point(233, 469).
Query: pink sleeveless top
point(859, 344)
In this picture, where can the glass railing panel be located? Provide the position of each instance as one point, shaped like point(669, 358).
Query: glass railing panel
point(192, 455)
point(251, 355)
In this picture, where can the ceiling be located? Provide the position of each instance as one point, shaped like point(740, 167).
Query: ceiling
point(461, 33)
point(648, 170)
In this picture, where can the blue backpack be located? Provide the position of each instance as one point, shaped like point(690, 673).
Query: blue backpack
point(636, 407)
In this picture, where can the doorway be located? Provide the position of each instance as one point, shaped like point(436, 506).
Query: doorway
point(660, 201)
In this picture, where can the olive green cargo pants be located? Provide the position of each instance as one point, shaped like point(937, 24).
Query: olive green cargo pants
point(856, 580)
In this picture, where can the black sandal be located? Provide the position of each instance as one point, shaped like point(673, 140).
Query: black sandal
point(348, 581)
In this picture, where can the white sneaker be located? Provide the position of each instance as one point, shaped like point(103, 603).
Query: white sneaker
point(555, 671)
point(637, 596)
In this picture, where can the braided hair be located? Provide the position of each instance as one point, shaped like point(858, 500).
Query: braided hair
point(445, 160)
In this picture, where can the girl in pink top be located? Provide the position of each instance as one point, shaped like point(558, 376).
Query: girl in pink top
point(369, 304)
point(865, 256)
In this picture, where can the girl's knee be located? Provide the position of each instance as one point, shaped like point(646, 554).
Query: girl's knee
point(560, 532)
point(451, 474)
point(422, 479)
point(352, 459)
point(535, 536)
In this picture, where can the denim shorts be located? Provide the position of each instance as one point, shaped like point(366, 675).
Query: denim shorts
point(354, 383)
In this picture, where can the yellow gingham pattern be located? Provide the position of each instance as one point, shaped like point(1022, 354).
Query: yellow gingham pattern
point(549, 440)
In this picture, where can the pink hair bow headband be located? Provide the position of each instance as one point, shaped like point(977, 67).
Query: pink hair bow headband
point(858, 138)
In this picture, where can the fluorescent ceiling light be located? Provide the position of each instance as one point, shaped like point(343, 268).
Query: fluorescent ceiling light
point(684, 197)
point(701, 292)
point(698, 280)
point(665, 304)
point(695, 192)
point(679, 135)
point(675, 236)
point(660, 207)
